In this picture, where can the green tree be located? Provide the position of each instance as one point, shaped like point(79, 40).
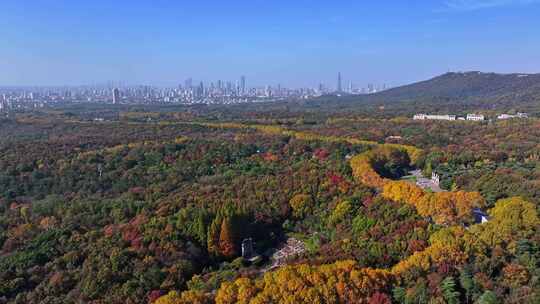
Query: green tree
point(448, 287)
point(213, 237)
point(399, 294)
point(488, 297)
point(467, 282)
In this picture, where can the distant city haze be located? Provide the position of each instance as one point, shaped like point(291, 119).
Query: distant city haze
point(289, 43)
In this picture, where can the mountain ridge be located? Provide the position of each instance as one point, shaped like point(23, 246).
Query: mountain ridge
point(467, 85)
point(461, 87)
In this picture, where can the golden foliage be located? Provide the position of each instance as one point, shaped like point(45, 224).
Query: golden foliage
point(188, 297)
point(511, 219)
point(340, 212)
point(240, 291)
point(403, 192)
point(301, 135)
point(444, 207)
point(341, 282)
point(363, 171)
point(363, 165)
point(449, 208)
point(301, 205)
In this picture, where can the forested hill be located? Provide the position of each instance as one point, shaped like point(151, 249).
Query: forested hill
point(470, 85)
point(488, 89)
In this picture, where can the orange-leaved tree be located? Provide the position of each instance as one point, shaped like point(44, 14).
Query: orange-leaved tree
point(227, 239)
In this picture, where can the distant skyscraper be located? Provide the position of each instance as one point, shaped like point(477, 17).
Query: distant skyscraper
point(321, 88)
point(115, 96)
point(339, 87)
point(201, 90)
point(243, 85)
point(268, 91)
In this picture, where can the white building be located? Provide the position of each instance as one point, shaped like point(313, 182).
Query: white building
point(434, 117)
point(435, 178)
point(508, 116)
point(475, 117)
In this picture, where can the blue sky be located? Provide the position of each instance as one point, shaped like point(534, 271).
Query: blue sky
point(295, 42)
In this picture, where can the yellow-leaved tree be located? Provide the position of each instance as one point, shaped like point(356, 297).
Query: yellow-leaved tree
point(403, 192)
point(449, 208)
point(301, 205)
point(511, 220)
point(188, 297)
point(341, 282)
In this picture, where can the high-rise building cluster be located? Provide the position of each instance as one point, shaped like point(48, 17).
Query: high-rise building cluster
point(352, 89)
point(189, 92)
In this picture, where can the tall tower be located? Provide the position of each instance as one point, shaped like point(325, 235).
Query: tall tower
point(339, 87)
point(3, 102)
point(243, 85)
point(200, 90)
point(115, 96)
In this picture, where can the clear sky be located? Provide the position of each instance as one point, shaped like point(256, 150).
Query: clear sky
point(294, 42)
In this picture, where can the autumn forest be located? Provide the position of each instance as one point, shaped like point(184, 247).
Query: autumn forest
point(164, 205)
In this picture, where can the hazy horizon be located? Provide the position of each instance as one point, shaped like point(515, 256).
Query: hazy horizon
point(301, 44)
point(105, 84)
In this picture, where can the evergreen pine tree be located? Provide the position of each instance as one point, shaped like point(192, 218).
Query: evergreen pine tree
point(448, 287)
point(466, 281)
point(213, 237)
point(488, 297)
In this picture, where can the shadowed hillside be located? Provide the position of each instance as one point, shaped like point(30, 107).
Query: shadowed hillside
point(472, 86)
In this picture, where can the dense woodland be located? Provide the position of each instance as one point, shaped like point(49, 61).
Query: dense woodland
point(152, 204)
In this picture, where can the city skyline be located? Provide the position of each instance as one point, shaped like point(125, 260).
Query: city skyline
point(191, 92)
point(241, 84)
point(296, 44)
